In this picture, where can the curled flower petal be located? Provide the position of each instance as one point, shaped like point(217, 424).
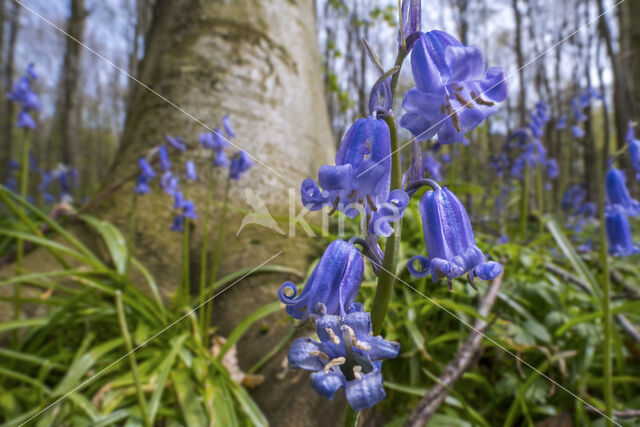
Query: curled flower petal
point(312, 197)
point(424, 266)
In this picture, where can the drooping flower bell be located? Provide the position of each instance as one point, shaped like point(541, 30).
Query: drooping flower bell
point(634, 150)
point(226, 123)
point(577, 132)
point(619, 233)
point(334, 283)
point(361, 175)
point(240, 163)
point(163, 156)
point(190, 171)
point(451, 245)
point(145, 169)
point(453, 92)
point(432, 166)
point(561, 123)
point(617, 193)
point(176, 142)
point(578, 115)
point(411, 18)
point(347, 356)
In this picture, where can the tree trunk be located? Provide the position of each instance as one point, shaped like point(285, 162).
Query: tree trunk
point(256, 61)
point(67, 114)
point(630, 48)
point(522, 100)
point(9, 109)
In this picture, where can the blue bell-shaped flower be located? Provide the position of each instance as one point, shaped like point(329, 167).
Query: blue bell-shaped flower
point(347, 356)
point(617, 193)
point(361, 175)
point(450, 242)
point(333, 284)
point(619, 233)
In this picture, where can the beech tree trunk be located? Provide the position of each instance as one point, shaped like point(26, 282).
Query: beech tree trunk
point(67, 114)
point(258, 62)
point(522, 100)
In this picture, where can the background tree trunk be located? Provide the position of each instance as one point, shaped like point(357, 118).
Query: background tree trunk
point(67, 113)
point(522, 100)
point(9, 109)
point(258, 62)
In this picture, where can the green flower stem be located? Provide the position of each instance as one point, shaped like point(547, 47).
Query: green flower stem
point(186, 274)
point(540, 194)
point(204, 322)
point(350, 417)
point(132, 231)
point(218, 246)
point(132, 359)
point(386, 278)
point(24, 188)
point(606, 309)
point(524, 200)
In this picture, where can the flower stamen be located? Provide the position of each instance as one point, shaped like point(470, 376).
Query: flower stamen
point(335, 362)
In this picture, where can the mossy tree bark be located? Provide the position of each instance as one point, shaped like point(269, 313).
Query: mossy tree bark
point(256, 61)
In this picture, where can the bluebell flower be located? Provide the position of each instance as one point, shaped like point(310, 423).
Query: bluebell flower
point(552, 169)
point(585, 247)
point(227, 127)
point(617, 193)
point(503, 239)
point(176, 142)
point(334, 283)
point(189, 209)
point(142, 185)
point(453, 94)
point(145, 169)
point(346, 356)
point(432, 166)
point(362, 171)
point(221, 159)
point(450, 242)
point(169, 183)
point(22, 94)
point(561, 123)
point(619, 233)
point(213, 140)
point(178, 199)
point(390, 211)
point(634, 150)
point(573, 197)
point(577, 132)
point(577, 111)
point(411, 18)
point(13, 164)
point(163, 155)
point(25, 121)
point(31, 72)
point(190, 171)
point(178, 224)
point(240, 163)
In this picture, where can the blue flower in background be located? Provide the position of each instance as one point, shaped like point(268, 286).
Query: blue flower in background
point(142, 185)
point(450, 242)
point(619, 233)
point(552, 169)
point(432, 166)
point(240, 163)
point(145, 169)
point(163, 155)
point(169, 183)
point(577, 111)
point(346, 356)
point(227, 127)
point(176, 142)
point(577, 132)
point(213, 140)
point(634, 150)
point(617, 193)
point(25, 121)
point(31, 72)
point(178, 224)
point(453, 94)
point(573, 197)
point(190, 171)
point(334, 283)
point(561, 123)
point(362, 171)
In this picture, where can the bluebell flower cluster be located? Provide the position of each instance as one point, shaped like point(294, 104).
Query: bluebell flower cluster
point(66, 178)
point(22, 94)
point(170, 179)
point(619, 207)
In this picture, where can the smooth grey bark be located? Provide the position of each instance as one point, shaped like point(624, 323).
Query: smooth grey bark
point(522, 95)
point(258, 62)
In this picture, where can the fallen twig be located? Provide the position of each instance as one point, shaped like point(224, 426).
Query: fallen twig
point(463, 360)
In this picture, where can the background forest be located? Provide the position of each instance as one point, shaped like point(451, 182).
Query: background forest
point(151, 195)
